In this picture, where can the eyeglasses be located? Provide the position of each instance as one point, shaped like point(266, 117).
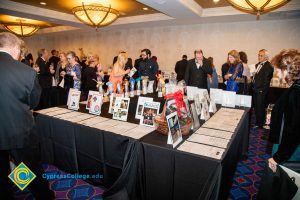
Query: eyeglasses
point(69, 58)
point(143, 55)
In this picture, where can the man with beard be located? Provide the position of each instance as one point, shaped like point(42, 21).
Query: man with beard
point(148, 67)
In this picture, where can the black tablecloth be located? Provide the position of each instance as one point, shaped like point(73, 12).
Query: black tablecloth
point(172, 174)
point(145, 169)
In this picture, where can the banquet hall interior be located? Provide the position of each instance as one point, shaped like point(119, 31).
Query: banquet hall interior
point(150, 99)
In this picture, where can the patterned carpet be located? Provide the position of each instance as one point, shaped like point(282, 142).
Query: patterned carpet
point(245, 183)
point(248, 174)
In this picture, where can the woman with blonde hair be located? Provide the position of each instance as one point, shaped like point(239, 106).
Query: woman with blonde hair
point(235, 71)
point(118, 72)
point(60, 73)
point(285, 118)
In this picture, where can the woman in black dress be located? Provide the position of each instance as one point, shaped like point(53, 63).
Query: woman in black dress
point(60, 75)
point(285, 119)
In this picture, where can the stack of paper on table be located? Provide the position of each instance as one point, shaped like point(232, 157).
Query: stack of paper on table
point(214, 133)
point(201, 149)
point(139, 132)
point(48, 110)
point(233, 121)
point(106, 124)
point(59, 112)
point(80, 118)
point(92, 121)
point(231, 111)
point(122, 128)
point(212, 141)
point(219, 126)
point(65, 116)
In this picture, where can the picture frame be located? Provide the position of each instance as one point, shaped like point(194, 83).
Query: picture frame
point(174, 136)
point(150, 110)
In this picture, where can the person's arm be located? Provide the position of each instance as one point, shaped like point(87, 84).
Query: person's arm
point(140, 69)
point(237, 72)
point(44, 69)
point(155, 68)
point(208, 68)
point(77, 73)
point(290, 137)
point(119, 73)
point(270, 74)
point(187, 74)
point(129, 64)
point(35, 93)
point(176, 67)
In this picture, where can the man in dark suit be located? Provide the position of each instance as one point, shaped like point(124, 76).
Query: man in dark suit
point(45, 78)
point(261, 83)
point(20, 92)
point(197, 70)
point(180, 68)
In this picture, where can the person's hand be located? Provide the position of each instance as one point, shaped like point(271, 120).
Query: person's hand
point(63, 73)
point(210, 81)
point(229, 75)
point(127, 71)
point(37, 69)
point(272, 164)
point(226, 77)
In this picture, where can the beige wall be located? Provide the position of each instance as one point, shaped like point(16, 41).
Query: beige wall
point(171, 42)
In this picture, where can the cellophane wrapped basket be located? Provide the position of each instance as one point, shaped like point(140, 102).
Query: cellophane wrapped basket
point(185, 121)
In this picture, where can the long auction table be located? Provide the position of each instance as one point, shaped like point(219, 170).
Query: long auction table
point(139, 168)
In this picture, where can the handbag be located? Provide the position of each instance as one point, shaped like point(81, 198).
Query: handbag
point(276, 186)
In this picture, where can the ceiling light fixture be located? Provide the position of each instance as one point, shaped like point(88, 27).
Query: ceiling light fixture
point(257, 7)
point(43, 3)
point(95, 15)
point(216, 1)
point(145, 8)
point(20, 28)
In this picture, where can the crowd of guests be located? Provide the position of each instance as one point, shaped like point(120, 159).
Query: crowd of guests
point(65, 70)
point(23, 86)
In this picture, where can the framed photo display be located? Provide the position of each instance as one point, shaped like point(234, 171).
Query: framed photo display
point(150, 110)
point(120, 111)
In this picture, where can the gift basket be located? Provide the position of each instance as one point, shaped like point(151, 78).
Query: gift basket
point(174, 103)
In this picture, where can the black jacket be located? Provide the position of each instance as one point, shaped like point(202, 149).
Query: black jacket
point(197, 77)
point(149, 68)
point(180, 68)
point(20, 92)
point(89, 73)
point(263, 77)
point(289, 105)
point(45, 78)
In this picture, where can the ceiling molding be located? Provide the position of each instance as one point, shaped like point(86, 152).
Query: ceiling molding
point(177, 12)
point(229, 10)
point(177, 9)
point(27, 11)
